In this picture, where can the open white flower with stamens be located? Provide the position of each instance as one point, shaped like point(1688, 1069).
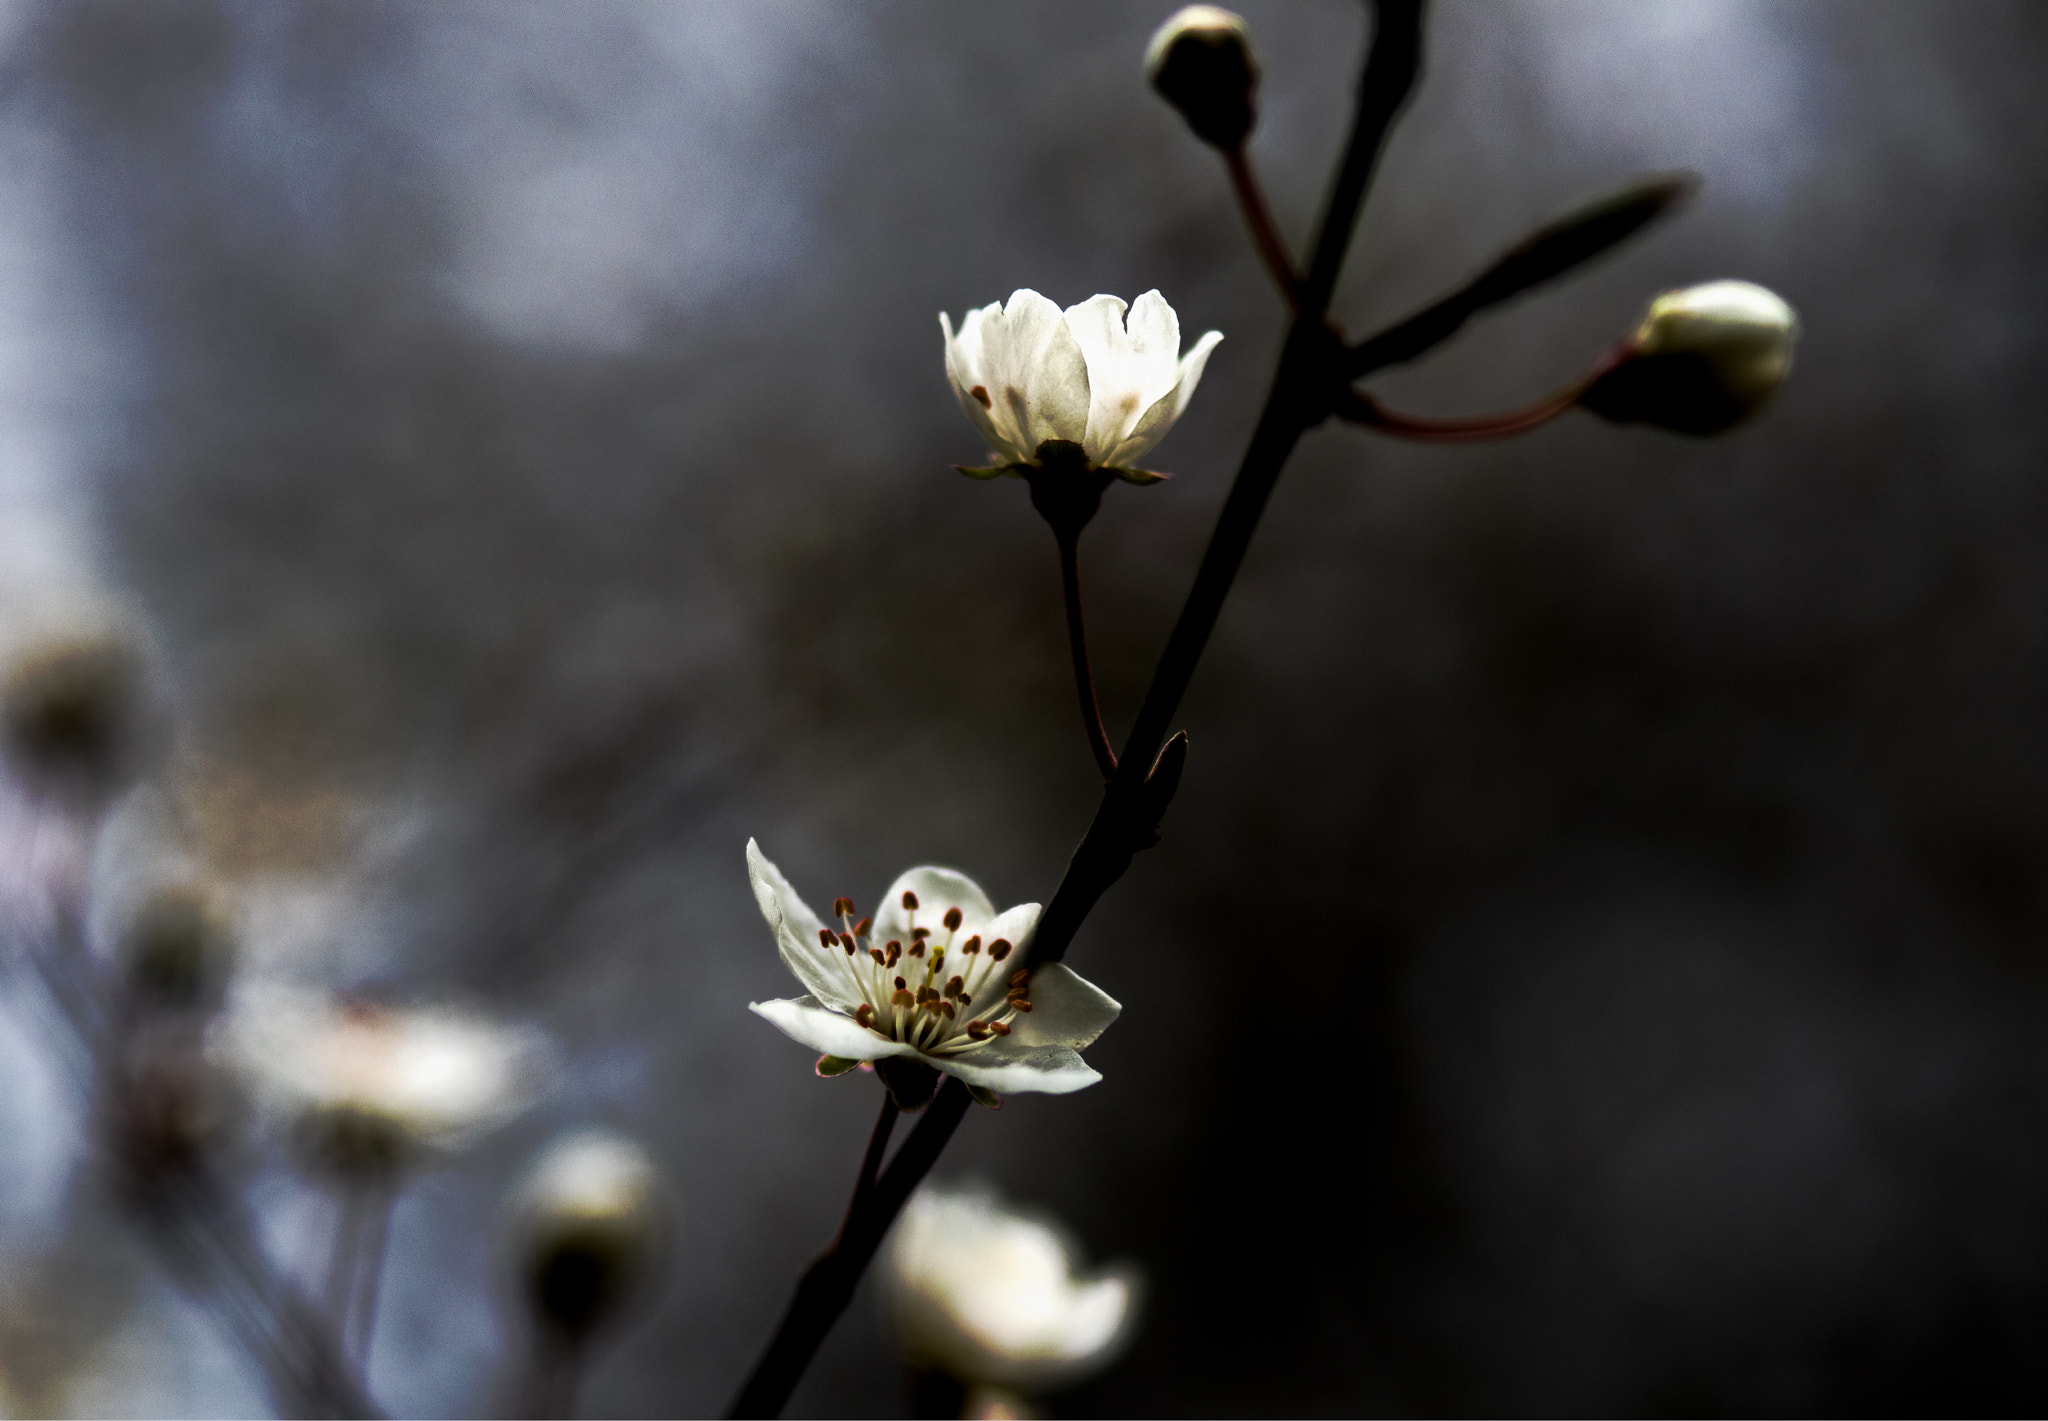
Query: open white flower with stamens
point(933, 976)
point(988, 1293)
point(1084, 380)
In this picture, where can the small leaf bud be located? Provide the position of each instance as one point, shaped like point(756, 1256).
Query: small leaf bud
point(591, 1225)
point(1201, 62)
point(1705, 359)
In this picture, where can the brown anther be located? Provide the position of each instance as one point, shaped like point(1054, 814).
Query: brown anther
point(909, 901)
point(972, 944)
point(864, 1014)
point(965, 999)
point(999, 949)
point(978, 1030)
point(876, 953)
point(850, 947)
point(952, 920)
point(902, 999)
point(926, 994)
point(895, 953)
point(917, 947)
point(920, 933)
point(1000, 1028)
point(980, 393)
point(947, 1008)
point(1020, 976)
point(863, 927)
point(1019, 1004)
point(846, 941)
point(842, 907)
point(953, 987)
point(827, 938)
point(901, 984)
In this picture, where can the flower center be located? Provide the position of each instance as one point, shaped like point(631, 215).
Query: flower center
point(939, 994)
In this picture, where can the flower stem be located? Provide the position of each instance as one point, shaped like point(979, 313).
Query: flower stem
point(1258, 215)
point(1069, 540)
point(827, 1285)
point(871, 1163)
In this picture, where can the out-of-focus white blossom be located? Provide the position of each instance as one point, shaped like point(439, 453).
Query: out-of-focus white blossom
point(1085, 379)
point(591, 1224)
point(932, 976)
point(366, 1083)
point(988, 1293)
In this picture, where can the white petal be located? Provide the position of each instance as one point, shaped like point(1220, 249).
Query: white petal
point(1066, 1009)
point(1154, 344)
point(966, 370)
point(796, 933)
point(831, 1033)
point(1047, 1070)
point(1160, 417)
point(1017, 924)
point(1036, 371)
point(937, 889)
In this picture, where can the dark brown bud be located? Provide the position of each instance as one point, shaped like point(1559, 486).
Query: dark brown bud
point(1201, 62)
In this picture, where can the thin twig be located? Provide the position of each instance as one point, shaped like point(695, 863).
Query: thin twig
point(1077, 643)
point(1258, 215)
point(871, 1163)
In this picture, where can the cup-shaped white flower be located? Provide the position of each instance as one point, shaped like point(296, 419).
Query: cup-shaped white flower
point(1086, 380)
point(367, 1085)
point(934, 977)
point(988, 1293)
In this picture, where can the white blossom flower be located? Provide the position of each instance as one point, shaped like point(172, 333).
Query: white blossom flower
point(366, 1083)
point(988, 1294)
point(933, 976)
point(1028, 373)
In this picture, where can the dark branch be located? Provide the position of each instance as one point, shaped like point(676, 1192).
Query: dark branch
point(1391, 69)
point(1546, 254)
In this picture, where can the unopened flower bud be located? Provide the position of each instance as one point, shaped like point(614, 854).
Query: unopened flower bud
point(1704, 360)
point(592, 1226)
point(1201, 62)
point(73, 711)
point(177, 951)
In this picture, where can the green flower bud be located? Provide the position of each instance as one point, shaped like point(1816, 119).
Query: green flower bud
point(1704, 360)
point(1201, 62)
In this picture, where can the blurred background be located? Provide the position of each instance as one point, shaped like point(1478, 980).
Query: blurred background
point(1598, 959)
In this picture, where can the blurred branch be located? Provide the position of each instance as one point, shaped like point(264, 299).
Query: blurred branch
point(1544, 255)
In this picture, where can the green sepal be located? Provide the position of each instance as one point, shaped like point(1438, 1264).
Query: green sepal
point(973, 473)
point(1139, 476)
point(837, 1065)
point(984, 1096)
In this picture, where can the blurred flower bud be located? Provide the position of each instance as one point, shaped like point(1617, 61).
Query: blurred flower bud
point(1201, 62)
point(369, 1087)
point(166, 1103)
point(177, 951)
point(591, 1226)
point(1704, 360)
point(74, 715)
point(988, 1295)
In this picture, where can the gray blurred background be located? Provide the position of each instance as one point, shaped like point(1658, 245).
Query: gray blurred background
point(1596, 962)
